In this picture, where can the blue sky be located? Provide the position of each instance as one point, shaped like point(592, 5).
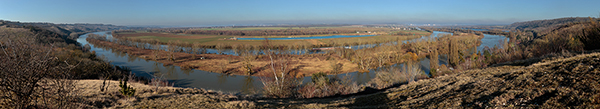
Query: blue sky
point(228, 12)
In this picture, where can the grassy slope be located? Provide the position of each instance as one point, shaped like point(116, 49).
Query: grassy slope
point(151, 97)
point(566, 82)
point(553, 82)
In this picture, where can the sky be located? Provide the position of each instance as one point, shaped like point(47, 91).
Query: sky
point(249, 12)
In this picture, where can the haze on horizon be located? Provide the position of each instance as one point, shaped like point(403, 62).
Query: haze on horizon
point(242, 12)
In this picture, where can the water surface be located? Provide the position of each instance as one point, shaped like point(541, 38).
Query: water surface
point(222, 82)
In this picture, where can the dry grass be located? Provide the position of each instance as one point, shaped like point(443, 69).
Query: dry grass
point(570, 82)
point(148, 97)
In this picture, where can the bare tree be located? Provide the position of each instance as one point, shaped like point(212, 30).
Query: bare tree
point(28, 72)
point(306, 48)
point(248, 57)
point(172, 48)
point(235, 49)
point(156, 50)
point(194, 49)
point(219, 48)
point(284, 83)
point(433, 62)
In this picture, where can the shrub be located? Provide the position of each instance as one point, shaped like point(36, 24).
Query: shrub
point(336, 67)
point(386, 78)
point(125, 89)
point(323, 86)
point(412, 70)
point(284, 88)
point(591, 36)
point(320, 79)
point(408, 73)
point(159, 81)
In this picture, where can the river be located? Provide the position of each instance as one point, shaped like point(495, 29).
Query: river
point(219, 81)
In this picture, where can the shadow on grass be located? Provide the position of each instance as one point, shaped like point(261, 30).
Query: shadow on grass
point(374, 100)
point(181, 82)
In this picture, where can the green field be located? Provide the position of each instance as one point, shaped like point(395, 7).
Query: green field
point(219, 40)
point(223, 39)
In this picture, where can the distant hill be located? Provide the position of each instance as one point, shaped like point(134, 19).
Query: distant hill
point(572, 33)
point(71, 30)
point(548, 24)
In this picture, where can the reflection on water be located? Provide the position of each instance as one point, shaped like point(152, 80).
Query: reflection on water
point(363, 77)
point(488, 40)
point(247, 86)
point(157, 71)
point(491, 41)
point(223, 82)
point(187, 72)
point(180, 78)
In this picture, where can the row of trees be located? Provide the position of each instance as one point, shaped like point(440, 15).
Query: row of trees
point(454, 30)
point(196, 48)
point(409, 33)
point(557, 36)
point(269, 32)
point(147, 43)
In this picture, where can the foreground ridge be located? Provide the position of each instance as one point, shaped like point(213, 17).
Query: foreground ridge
point(554, 82)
